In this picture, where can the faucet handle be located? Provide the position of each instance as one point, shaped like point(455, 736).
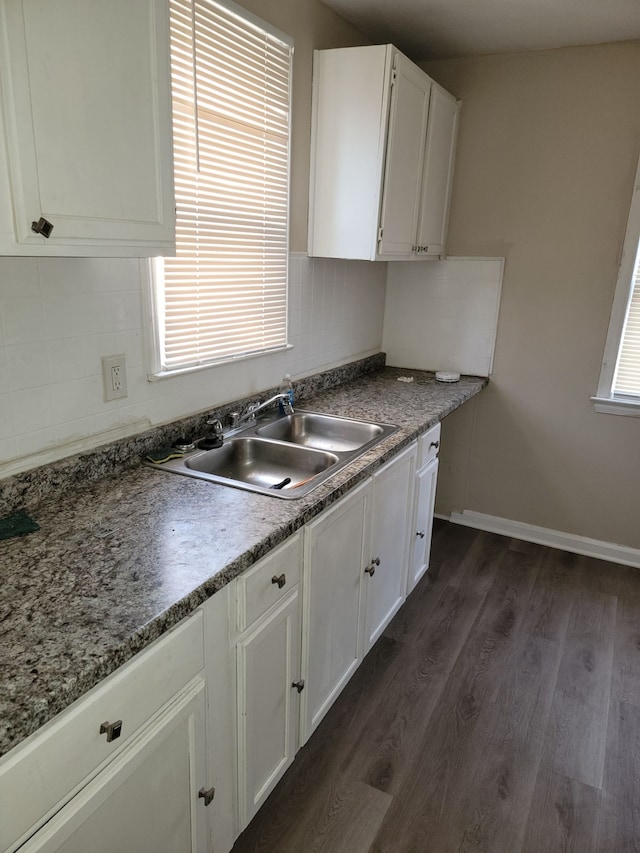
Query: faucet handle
point(235, 419)
point(250, 417)
point(217, 426)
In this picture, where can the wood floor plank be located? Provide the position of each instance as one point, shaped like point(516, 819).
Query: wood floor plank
point(564, 815)
point(450, 746)
point(487, 808)
point(382, 754)
point(626, 652)
point(345, 820)
point(552, 596)
point(576, 741)
point(620, 823)
point(450, 551)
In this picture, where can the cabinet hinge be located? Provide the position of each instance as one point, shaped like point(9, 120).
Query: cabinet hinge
point(380, 231)
point(394, 74)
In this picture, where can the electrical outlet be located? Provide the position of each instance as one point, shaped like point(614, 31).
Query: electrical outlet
point(114, 377)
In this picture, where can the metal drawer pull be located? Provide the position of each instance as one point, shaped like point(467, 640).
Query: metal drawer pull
point(420, 533)
point(435, 444)
point(299, 685)
point(207, 795)
point(111, 730)
point(280, 580)
point(42, 226)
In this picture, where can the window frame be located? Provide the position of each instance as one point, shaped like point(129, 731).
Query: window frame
point(605, 400)
point(153, 279)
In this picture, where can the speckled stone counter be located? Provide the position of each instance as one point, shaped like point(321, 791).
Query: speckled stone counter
point(120, 559)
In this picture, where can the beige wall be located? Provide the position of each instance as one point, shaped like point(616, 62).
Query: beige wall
point(547, 152)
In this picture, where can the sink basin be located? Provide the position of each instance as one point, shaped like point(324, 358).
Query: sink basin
point(263, 464)
point(285, 457)
point(324, 432)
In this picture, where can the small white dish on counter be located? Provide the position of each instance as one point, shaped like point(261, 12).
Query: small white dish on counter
point(446, 376)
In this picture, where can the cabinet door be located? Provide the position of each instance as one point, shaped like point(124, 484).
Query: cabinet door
point(350, 110)
point(268, 703)
point(331, 643)
point(147, 798)
point(404, 163)
point(86, 92)
point(437, 175)
point(391, 515)
point(425, 496)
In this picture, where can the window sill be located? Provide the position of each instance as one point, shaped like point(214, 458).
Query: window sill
point(617, 406)
point(156, 375)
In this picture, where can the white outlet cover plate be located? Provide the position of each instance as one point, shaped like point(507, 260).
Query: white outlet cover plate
point(109, 362)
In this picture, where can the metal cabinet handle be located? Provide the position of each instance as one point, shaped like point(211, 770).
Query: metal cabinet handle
point(207, 795)
point(420, 533)
point(280, 580)
point(371, 569)
point(435, 444)
point(299, 685)
point(42, 226)
point(111, 730)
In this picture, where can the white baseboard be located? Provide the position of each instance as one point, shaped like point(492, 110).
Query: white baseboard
point(544, 536)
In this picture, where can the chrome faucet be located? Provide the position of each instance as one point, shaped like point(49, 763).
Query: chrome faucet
point(250, 415)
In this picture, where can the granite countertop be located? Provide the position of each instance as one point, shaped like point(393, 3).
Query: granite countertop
point(120, 560)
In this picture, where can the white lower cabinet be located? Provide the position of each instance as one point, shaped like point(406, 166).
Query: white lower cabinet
point(269, 683)
point(147, 798)
point(336, 551)
point(355, 578)
point(391, 514)
point(426, 479)
point(424, 502)
point(122, 768)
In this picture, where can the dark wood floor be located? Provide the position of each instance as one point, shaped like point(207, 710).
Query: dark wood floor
point(499, 712)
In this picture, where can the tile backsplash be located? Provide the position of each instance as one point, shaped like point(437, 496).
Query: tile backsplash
point(443, 315)
point(58, 316)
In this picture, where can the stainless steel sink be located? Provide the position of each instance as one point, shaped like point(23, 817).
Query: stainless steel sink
point(284, 457)
point(261, 463)
point(324, 432)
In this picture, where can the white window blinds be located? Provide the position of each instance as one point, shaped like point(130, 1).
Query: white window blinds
point(627, 375)
point(225, 293)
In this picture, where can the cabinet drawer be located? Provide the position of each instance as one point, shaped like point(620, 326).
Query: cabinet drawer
point(40, 775)
point(268, 581)
point(428, 445)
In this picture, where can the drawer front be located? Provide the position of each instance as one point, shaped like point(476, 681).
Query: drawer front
point(429, 445)
point(268, 581)
point(40, 775)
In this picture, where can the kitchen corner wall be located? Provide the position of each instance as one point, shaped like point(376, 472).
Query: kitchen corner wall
point(58, 316)
point(547, 150)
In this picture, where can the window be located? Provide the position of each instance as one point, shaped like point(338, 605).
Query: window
point(224, 295)
point(619, 386)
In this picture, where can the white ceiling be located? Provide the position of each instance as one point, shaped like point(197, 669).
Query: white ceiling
point(438, 29)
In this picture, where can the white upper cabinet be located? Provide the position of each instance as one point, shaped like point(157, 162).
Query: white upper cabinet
point(410, 90)
point(382, 154)
point(437, 171)
point(86, 109)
